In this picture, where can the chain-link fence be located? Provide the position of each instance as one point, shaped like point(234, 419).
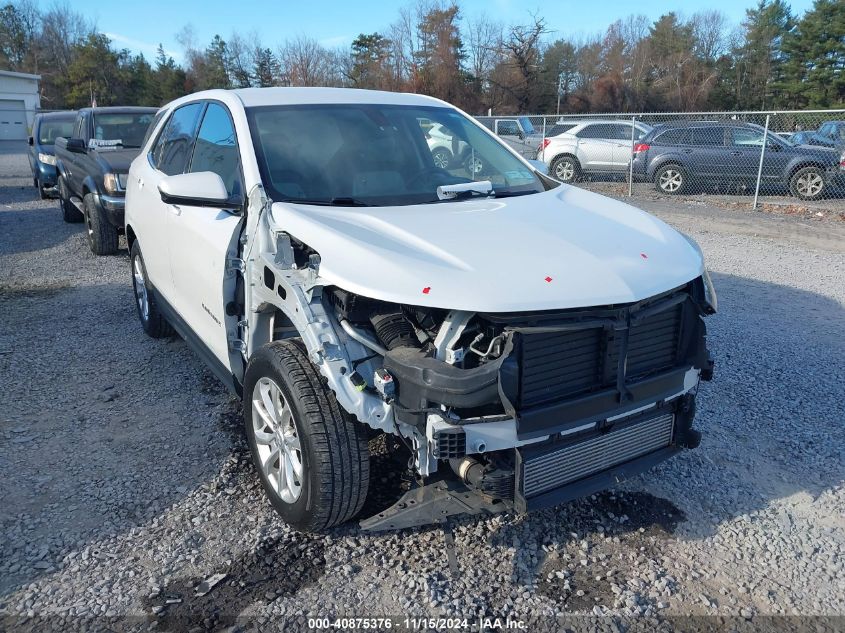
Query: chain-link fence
point(689, 153)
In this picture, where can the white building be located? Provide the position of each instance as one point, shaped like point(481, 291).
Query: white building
point(19, 100)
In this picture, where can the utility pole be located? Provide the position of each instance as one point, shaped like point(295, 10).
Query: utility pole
point(559, 90)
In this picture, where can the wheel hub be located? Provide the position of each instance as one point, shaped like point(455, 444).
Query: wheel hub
point(810, 184)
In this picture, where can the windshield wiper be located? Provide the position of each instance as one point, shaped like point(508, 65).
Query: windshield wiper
point(512, 194)
point(334, 202)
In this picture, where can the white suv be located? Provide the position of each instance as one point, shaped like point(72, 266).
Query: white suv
point(522, 341)
point(590, 147)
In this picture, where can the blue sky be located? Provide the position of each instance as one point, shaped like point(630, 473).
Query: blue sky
point(140, 26)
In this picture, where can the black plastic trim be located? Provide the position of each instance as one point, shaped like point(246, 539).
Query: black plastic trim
point(567, 414)
point(197, 346)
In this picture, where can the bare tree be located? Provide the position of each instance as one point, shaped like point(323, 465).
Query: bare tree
point(240, 59)
point(306, 63)
point(518, 74)
point(484, 46)
point(708, 31)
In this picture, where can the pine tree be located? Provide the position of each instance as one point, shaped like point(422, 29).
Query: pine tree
point(814, 71)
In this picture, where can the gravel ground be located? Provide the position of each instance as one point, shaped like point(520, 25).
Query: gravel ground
point(126, 481)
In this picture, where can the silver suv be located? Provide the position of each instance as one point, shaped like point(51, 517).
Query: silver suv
point(590, 147)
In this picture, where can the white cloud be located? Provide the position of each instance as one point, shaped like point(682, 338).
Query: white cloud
point(148, 49)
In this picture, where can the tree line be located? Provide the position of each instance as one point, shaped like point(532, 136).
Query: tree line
point(773, 59)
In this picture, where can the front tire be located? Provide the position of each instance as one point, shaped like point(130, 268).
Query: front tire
point(565, 168)
point(808, 183)
point(671, 179)
point(152, 320)
point(70, 213)
point(311, 456)
point(442, 158)
point(102, 236)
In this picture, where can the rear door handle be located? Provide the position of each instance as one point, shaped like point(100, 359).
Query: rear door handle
point(736, 153)
point(687, 151)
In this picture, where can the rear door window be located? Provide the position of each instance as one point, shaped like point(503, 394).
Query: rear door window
point(173, 148)
point(597, 130)
point(711, 136)
point(679, 136)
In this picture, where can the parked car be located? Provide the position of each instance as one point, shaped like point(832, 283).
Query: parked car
point(590, 147)
point(833, 132)
point(92, 166)
point(679, 156)
point(344, 284)
point(809, 137)
point(46, 128)
point(518, 132)
point(447, 150)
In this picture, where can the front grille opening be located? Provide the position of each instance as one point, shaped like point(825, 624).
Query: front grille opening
point(561, 365)
point(591, 456)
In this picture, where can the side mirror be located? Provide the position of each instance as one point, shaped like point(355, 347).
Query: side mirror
point(200, 189)
point(31, 141)
point(76, 145)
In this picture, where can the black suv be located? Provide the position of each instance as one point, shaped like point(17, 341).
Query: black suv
point(683, 156)
point(92, 166)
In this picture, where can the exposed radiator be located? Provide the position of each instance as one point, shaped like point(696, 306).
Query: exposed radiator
point(593, 455)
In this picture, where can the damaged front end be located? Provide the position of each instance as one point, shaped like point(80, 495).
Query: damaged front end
point(523, 411)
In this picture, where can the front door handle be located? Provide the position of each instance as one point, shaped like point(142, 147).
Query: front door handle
point(736, 153)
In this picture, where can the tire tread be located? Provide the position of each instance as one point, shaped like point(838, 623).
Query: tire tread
point(339, 442)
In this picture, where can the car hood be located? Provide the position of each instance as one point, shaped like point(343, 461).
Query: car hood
point(563, 248)
point(117, 160)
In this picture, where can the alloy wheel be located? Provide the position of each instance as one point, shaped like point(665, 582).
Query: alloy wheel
point(565, 170)
point(809, 184)
point(277, 440)
point(441, 160)
point(474, 166)
point(671, 180)
point(140, 285)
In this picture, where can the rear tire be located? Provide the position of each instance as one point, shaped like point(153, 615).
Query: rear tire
point(152, 320)
point(102, 236)
point(808, 183)
point(565, 169)
point(311, 456)
point(70, 213)
point(671, 179)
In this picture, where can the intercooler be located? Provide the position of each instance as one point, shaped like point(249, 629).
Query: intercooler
point(558, 466)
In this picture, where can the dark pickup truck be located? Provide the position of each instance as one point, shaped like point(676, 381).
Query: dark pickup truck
point(92, 166)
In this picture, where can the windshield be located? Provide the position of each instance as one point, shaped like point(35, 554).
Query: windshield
point(128, 128)
point(51, 129)
point(379, 155)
